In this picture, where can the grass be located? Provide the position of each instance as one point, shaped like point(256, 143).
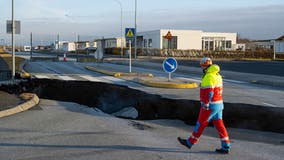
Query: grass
point(8, 59)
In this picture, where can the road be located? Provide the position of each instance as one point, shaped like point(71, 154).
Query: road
point(274, 68)
point(64, 130)
point(68, 131)
point(235, 91)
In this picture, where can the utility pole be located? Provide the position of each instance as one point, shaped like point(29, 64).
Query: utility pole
point(76, 45)
point(57, 42)
point(57, 46)
point(13, 42)
point(135, 38)
point(121, 29)
point(31, 51)
point(274, 50)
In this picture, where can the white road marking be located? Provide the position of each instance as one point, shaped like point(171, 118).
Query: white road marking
point(41, 76)
point(113, 79)
point(234, 81)
point(188, 79)
point(66, 78)
point(90, 78)
point(268, 104)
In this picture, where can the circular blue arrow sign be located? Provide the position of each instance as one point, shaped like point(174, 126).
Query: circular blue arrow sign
point(170, 65)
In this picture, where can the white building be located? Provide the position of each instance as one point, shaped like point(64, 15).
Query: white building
point(110, 42)
point(59, 45)
point(270, 44)
point(218, 41)
point(187, 39)
point(279, 45)
point(68, 46)
point(82, 45)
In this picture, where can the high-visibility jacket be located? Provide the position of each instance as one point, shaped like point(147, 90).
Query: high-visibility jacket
point(211, 87)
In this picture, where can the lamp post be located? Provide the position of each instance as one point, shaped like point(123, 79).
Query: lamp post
point(13, 42)
point(135, 39)
point(121, 27)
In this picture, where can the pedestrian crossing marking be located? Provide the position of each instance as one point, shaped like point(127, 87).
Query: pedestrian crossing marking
point(66, 78)
point(90, 78)
point(41, 76)
point(113, 79)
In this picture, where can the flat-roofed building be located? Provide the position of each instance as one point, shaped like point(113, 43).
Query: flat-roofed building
point(187, 40)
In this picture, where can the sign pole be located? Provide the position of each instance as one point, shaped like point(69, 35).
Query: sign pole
point(31, 51)
point(170, 77)
point(129, 56)
point(13, 42)
point(135, 36)
point(274, 47)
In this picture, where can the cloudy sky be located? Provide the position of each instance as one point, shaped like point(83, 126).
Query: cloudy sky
point(254, 19)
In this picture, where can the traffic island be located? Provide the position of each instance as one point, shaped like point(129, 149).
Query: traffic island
point(161, 82)
point(110, 73)
point(147, 79)
point(118, 74)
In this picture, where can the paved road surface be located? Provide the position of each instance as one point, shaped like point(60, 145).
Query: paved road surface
point(235, 91)
point(67, 131)
point(274, 68)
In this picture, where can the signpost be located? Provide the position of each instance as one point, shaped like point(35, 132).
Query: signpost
point(13, 27)
point(130, 35)
point(168, 36)
point(170, 65)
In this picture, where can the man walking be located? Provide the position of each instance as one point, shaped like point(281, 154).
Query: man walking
point(211, 106)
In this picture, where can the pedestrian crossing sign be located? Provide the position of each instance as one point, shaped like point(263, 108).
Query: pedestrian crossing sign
point(130, 32)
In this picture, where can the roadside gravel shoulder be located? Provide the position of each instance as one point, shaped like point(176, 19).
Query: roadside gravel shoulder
point(8, 101)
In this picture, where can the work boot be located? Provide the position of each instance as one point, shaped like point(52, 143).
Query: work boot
point(222, 151)
point(184, 142)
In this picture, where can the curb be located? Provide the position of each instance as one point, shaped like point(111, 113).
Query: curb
point(22, 107)
point(115, 74)
point(118, 74)
point(168, 84)
point(23, 73)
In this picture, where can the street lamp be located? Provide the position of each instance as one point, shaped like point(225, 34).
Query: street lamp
point(13, 42)
point(135, 40)
point(121, 34)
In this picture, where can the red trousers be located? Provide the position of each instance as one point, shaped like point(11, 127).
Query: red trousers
point(214, 114)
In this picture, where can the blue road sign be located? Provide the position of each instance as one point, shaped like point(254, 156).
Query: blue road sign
point(130, 32)
point(170, 65)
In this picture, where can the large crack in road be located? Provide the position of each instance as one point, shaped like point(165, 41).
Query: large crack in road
point(111, 98)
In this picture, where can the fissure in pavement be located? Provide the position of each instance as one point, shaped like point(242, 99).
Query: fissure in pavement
point(111, 98)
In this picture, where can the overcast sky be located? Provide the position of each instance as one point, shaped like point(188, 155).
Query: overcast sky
point(254, 19)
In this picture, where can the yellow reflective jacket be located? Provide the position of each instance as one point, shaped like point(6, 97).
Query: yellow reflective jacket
point(211, 87)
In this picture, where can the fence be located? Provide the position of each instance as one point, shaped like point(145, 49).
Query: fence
point(257, 54)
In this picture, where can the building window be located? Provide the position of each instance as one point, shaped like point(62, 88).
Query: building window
point(228, 44)
point(145, 43)
point(149, 43)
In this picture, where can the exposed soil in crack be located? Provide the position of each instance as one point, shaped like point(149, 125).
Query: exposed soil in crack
point(111, 98)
